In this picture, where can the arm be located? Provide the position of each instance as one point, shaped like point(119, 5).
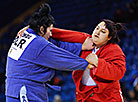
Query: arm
point(111, 62)
point(111, 70)
point(69, 36)
point(64, 35)
point(56, 58)
point(74, 48)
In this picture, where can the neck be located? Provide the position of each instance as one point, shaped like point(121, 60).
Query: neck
point(101, 45)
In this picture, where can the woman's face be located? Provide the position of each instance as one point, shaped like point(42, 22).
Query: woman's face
point(100, 34)
point(48, 32)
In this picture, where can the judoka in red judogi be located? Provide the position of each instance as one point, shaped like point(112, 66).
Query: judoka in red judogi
point(105, 77)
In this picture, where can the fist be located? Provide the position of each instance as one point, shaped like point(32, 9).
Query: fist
point(88, 44)
point(92, 59)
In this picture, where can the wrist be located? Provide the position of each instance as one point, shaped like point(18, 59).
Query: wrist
point(82, 47)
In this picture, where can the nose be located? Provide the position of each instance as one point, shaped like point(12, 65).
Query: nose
point(97, 32)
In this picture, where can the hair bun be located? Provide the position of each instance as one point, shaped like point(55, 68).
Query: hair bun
point(44, 9)
point(35, 16)
point(119, 26)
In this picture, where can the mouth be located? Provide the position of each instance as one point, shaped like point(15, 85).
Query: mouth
point(96, 36)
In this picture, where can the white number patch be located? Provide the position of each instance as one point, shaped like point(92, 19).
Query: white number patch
point(19, 45)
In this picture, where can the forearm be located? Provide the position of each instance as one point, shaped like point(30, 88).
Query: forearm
point(110, 70)
point(69, 35)
point(74, 48)
point(60, 59)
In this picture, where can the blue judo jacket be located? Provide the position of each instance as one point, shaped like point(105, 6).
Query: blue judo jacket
point(32, 63)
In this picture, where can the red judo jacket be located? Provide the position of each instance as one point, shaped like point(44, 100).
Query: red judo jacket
point(110, 69)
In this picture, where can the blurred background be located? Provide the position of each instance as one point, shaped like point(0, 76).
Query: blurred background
point(80, 15)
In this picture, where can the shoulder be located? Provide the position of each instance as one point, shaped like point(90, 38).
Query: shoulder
point(40, 41)
point(114, 48)
point(111, 50)
point(37, 45)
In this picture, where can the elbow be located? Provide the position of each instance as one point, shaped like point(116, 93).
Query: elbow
point(123, 73)
point(120, 76)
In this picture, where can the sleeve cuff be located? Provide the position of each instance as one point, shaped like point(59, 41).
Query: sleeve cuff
point(86, 65)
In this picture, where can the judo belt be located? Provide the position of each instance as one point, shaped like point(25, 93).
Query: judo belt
point(48, 84)
point(54, 87)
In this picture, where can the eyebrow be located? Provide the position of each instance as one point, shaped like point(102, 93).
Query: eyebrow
point(102, 28)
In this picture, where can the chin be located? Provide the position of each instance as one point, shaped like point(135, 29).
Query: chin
point(95, 42)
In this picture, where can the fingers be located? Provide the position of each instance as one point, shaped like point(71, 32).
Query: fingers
point(91, 42)
point(91, 55)
point(90, 66)
point(20, 33)
point(89, 39)
point(92, 59)
point(88, 44)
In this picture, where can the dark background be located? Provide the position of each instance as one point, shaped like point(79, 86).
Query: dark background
point(80, 15)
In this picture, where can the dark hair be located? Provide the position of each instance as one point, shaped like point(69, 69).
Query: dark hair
point(113, 28)
point(41, 18)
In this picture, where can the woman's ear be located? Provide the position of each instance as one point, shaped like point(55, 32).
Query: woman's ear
point(42, 30)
